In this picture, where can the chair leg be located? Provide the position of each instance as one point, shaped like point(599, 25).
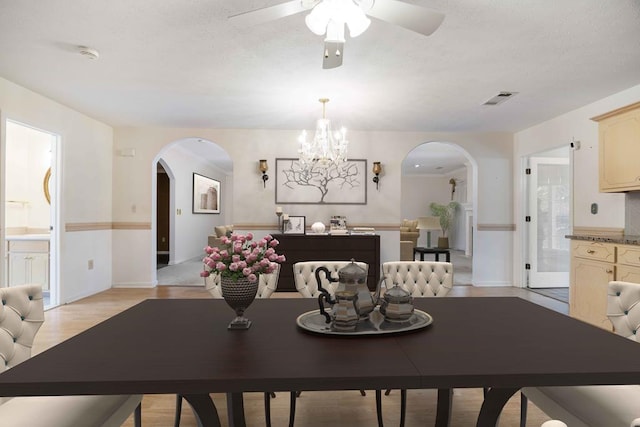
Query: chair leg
point(292, 407)
point(362, 392)
point(379, 407)
point(137, 416)
point(267, 408)
point(178, 410)
point(386, 393)
point(403, 406)
point(523, 409)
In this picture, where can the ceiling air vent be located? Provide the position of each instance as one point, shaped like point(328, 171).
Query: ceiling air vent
point(500, 98)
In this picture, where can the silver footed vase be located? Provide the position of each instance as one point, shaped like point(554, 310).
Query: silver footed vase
point(239, 294)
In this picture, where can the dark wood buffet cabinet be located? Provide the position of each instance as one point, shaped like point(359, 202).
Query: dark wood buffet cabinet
point(309, 247)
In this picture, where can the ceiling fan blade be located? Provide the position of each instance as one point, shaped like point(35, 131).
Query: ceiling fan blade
point(332, 54)
point(415, 18)
point(270, 13)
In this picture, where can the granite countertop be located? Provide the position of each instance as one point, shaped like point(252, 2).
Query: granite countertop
point(624, 239)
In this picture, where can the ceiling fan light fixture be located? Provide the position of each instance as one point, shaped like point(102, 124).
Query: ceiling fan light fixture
point(329, 13)
point(355, 18)
point(335, 32)
point(318, 20)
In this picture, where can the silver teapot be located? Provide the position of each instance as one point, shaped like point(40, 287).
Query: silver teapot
point(396, 304)
point(352, 279)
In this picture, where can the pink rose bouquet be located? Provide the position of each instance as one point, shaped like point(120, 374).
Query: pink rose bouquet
point(241, 256)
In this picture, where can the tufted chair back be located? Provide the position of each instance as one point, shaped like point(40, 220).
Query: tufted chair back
point(623, 308)
point(419, 278)
point(21, 315)
point(267, 284)
point(305, 278)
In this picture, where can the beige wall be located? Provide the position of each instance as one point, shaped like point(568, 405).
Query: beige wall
point(574, 125)
point(85, 158)
point(254, 205)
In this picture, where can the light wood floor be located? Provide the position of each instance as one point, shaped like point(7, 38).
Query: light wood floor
point(342, 408)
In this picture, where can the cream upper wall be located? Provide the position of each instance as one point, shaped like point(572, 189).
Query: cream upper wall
point(246, 147)
point(253, 204)
point(561, 131)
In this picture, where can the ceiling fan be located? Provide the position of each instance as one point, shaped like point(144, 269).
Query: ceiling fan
point(330, 17)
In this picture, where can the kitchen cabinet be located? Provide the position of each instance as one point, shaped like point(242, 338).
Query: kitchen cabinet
point(619, 149)
point(28, 262)
point(593, 266)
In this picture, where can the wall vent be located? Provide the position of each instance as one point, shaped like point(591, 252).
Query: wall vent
point(500, 98)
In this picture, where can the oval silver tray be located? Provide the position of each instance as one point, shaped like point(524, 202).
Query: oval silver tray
point(313, 321)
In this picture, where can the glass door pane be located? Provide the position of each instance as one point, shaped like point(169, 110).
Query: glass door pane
point(550, 222)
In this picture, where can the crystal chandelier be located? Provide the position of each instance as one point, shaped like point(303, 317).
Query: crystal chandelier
point(326, 148)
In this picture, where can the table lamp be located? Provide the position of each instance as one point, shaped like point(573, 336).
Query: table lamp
point(428, 223)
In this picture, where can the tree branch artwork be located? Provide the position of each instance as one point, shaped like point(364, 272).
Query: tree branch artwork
point(344, 183)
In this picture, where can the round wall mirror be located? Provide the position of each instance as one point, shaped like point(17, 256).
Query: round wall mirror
point(45, 185)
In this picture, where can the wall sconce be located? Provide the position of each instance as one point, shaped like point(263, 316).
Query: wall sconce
point(377, 170)
point(264, 168)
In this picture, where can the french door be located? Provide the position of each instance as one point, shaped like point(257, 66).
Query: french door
point(549, 194)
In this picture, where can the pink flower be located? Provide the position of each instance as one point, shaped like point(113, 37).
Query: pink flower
point(249, 236)
point(208, 250)
point(252, 278)
point(221, 266)
point(274, 243)
point(235, 258)
point(204, 273)
point(246, 271)
point(233, 266)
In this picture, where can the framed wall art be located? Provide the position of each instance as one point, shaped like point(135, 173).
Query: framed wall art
point(342, 184)
point(206, 195)
point(295, 225)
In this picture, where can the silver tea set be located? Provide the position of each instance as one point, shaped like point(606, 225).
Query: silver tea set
point(354, 302)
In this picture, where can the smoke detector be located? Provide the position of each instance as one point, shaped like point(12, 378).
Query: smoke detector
point(88, 52)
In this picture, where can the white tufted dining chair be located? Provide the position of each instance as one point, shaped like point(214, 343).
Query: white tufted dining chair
point(267, 285)
point(21, 315)
point(597, 405)
point(420, 279)
point(305, 278)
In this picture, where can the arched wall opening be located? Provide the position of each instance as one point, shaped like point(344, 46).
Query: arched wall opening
point(441, 171)
point(188, 227)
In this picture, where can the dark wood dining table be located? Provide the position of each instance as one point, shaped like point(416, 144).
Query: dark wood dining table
point(183, 346)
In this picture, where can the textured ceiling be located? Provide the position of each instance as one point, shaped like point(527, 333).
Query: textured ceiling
point(178, 63)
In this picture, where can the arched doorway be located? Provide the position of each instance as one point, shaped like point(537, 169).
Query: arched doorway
point(442, 172)
point(188, 229)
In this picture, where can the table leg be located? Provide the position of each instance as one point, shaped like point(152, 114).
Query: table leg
point(235, 410)
point(437, 256)
point(494, 401)
point(204, 409)
point(448, 256)
point(443, 411)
